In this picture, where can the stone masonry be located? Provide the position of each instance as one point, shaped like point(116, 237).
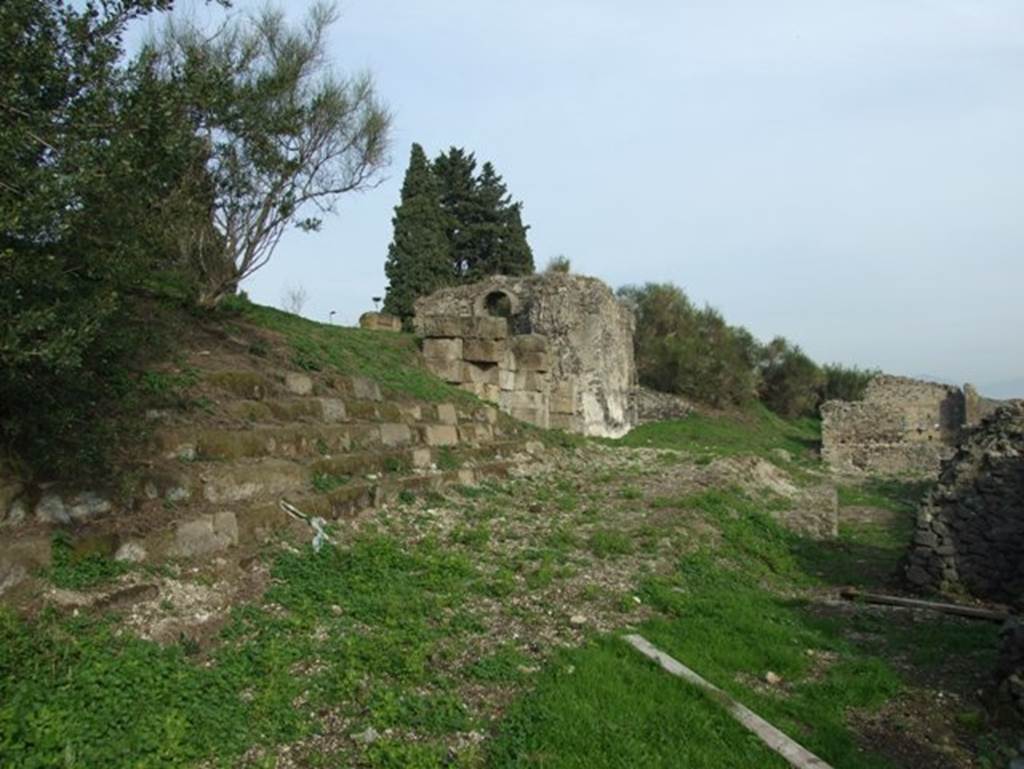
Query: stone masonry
point(902, 426)
point(553, 350)
point(970, 528)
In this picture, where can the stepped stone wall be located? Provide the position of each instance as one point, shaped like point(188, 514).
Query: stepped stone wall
point(553, 350)
point(970, 528)
point(902, 426)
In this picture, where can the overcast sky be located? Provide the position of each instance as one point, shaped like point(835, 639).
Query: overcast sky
point(847, 174)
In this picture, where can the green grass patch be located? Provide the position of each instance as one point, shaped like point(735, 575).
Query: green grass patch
point(371, 616)
point(387, 357)
point(608, 543)
point(83, 569)
point(755, 431)
point(895, 495)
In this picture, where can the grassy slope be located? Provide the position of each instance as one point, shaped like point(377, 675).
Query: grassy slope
point(357, 633)
point(384, 356)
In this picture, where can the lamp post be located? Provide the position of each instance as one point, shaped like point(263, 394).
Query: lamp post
point(330, 317)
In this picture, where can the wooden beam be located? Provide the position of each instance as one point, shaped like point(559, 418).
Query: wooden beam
point(974, 612)
point(797, 755)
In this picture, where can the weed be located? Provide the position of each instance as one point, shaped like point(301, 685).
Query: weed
point(448, 459)
point(75, 571)
point(607, 543)
point(325, 483)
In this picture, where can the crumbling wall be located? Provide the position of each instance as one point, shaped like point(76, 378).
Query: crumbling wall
point(970, 528)
point(554, 350)
point(902, 426)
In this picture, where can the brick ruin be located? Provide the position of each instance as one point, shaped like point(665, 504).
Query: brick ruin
point(902, 426)
point(553, 350)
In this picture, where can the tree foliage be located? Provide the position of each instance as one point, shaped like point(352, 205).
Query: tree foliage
point(419, 257)
point(846, 383)
point(87, 160)
point(689, 351)
point(480, 227)
point(283, 135)
point(791, 383)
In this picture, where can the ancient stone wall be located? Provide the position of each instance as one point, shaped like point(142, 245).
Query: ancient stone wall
point(554, 350)
point(653, 406)
point(970, 528)
point(379, 321)
point(901, 426)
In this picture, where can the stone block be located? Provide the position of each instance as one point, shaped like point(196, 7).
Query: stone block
point(534, 361)
point(524, 399)
point(205, 535)
point(487, 392)
point(534, 381)
point(442, 349)
point(487, 327)
point(422, 459)
point(448, 370)
point(298, 384)
point(379, 321)
point(440, 435)
point(484, 350)
point(476, 433)
point(365, 389)
point(88, 505)
point(396, 434)
point(51, 509)
point(454, 327)
point(527, 343)
point(480, 373)
point(332, 410)
point(411, 412)
point(446, 414)
point(563, 398)
point(567, 422)
point(506, 379)
point(537, 417)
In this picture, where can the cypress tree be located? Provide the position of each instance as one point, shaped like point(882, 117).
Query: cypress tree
point(460, 206)
point(483, 224)
point(419, 256)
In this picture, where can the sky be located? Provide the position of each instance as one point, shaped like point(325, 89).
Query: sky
point(849, 175)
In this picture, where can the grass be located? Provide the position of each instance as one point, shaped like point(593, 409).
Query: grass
point(756, 431)
point(80, 570)
point(387, 357)
point(70, 687)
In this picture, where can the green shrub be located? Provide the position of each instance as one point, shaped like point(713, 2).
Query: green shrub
point(791, 383)
point(846, 383)
point(689, 351)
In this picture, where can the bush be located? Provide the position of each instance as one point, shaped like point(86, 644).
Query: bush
point(688, 351)
point(559, 264)
point(846, 383)
point(791, 383)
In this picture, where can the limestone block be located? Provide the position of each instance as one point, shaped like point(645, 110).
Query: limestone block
point(531, 380)
point(487, 392)
point(480, 373)
point(379, 321)
point(568, 422)
point(10, 490)
point(131, 552)
point(298, 384)
point(422, 459)
point(454, 327)
point(366, 389)
point(534, 361)
point(466, 476)
point(87, 505)
point(484, 350)
point(448, 370)
point(563, 398)
point(538, 417)
point(524, 399)
point(506, 379)
point(332, 410)
point(476, 433)
point(51, 509)
point(446, 414)
point(397, 434)
point(442, 349)
point(411, 412)
point(527, 343)
point(440, 435)
point(206, 534)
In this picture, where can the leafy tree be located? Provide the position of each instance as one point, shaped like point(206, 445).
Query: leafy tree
point(283, 135)
point(559, 263)
point(484, 226)
point(790, 381)
point(419, 257)
point(689, 351)
point(87, 158)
